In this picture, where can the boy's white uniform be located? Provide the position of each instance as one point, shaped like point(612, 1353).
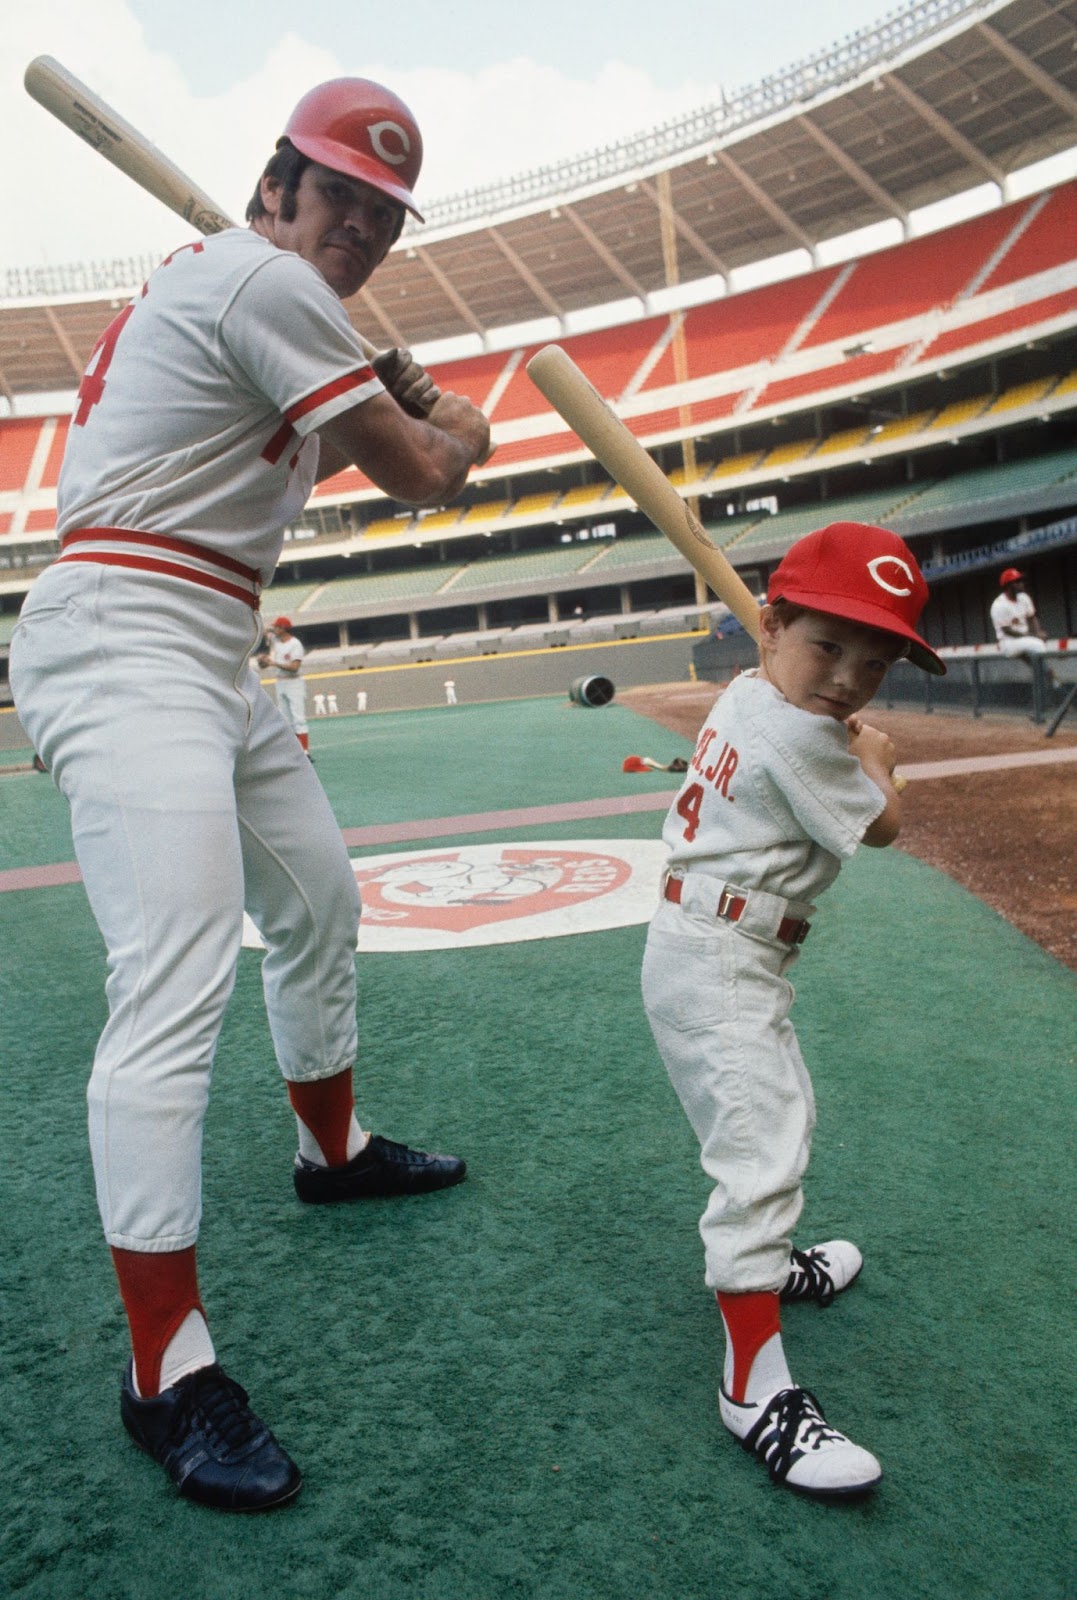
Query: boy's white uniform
point(183, 779)
point(770, 806)
point(291, 690)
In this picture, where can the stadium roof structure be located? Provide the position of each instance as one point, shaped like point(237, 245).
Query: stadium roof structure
point(940, 97)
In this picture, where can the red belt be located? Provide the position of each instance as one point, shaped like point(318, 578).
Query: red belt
point(143, 552)
point(731, 909)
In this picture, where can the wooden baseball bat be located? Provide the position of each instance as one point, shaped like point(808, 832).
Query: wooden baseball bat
point(625, 459)
point(85, 113)
point(627, 462)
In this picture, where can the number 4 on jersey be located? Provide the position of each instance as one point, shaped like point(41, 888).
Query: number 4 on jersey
point(688, 807)
point(92, 386)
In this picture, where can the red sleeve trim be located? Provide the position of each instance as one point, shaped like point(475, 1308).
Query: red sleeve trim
point(330, 391)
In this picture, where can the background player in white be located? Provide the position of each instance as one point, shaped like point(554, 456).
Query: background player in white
point(786, 781)
point(286, 654)
point(1018, 629)
point(210, 406)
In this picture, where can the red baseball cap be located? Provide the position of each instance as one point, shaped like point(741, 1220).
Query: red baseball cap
point(862, 573)
point(1011, 575)
point(282, 622)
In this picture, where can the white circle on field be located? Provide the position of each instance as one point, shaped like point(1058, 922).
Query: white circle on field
point(465, 895)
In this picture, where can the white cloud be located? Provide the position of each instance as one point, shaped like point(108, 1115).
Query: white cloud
point(65, 204)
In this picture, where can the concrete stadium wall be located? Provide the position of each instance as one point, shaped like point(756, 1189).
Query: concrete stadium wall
point(527, 674)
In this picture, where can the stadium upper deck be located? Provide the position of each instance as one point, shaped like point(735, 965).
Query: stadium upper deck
point(942, 96)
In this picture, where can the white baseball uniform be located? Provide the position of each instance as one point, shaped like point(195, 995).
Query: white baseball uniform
point(1016, 613)
point(191, 448)
point(291, 690)
point(771, 804)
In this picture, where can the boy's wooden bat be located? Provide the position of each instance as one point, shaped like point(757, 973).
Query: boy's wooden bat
point(627, 462)
point(625, 459)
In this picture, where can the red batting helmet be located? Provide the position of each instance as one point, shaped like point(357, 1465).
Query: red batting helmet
point(863, 573)
point(1011, 575)
point(364, 130)
point(282, 622)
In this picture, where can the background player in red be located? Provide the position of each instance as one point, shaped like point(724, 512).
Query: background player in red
point(785, 782)
point(210, 406)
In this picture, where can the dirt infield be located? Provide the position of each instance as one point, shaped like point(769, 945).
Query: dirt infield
point(1010, 836)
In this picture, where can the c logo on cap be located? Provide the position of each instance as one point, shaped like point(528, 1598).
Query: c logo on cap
point(894, 561)
point(378, 132)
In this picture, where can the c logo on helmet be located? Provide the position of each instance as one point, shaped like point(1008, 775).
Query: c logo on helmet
point(380, 132)
point(893, 561)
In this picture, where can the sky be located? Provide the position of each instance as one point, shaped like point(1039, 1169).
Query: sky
point(498, 88)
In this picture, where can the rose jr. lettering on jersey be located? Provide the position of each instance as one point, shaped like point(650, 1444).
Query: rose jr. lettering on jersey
point(717, 772)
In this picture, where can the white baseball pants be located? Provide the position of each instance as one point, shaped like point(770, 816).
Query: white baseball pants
point(190, 799)
point(292, 700)
point(1030, 644)
point(718, 1003)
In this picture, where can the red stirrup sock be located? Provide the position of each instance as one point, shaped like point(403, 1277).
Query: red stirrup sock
point(304, 741)
point(752, 1322)
point(159, 1292)
point(326, 1113)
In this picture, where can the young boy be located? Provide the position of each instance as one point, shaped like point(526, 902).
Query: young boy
point(785, 781)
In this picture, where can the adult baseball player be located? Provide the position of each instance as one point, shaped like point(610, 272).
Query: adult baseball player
point(285, 655)
point(1017, 626)
point(210, 406)
point(785, 782)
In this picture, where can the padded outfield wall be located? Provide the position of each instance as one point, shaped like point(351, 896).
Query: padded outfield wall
point(520, 675)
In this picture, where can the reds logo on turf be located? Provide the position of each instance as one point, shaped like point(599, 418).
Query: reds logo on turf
point(458, 891)
point(502, 893)
point(903, 570)
point(383, 136)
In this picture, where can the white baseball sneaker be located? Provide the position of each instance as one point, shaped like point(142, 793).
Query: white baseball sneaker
point(822, 1272)
point(788, 1433)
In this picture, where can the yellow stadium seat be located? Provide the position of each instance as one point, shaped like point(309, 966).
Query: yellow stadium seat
point(783, 454)
point(900, 426)
point(1023, 394)
point(734, 464)
point(952, 416)
point(490, 512)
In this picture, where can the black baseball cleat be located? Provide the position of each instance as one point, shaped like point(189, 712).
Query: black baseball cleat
point(210, 1443)
point(381, 1168)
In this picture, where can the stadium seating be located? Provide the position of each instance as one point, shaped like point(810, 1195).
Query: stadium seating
point(997, 482)
point(533, 564)
point(375, 588)
point(1046, 242)
point(18, 440)
point(780, 531)
point(897, 284)
point(285, 599)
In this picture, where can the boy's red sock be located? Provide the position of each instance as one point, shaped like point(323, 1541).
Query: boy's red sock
point(751, 1321)
point(159, 1292)
point(326, 1109)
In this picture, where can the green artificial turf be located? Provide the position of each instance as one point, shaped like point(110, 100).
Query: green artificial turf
point(508, 1389)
